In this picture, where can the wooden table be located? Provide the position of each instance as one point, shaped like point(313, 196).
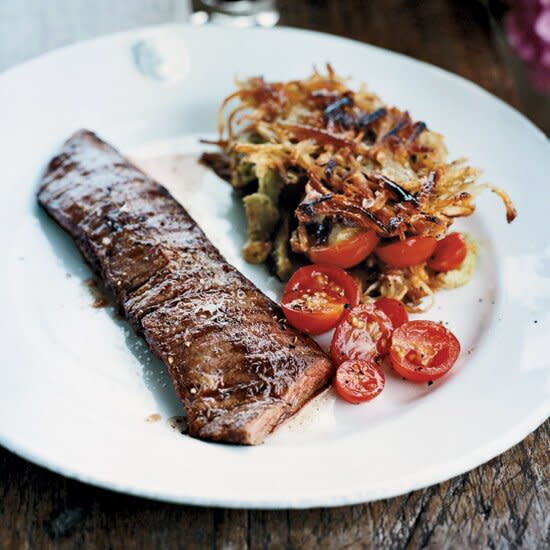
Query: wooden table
point(502, 504)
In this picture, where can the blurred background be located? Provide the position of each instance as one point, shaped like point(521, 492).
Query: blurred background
point(503, 45)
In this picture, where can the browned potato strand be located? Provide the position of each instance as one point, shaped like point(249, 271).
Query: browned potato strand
point(341, 158)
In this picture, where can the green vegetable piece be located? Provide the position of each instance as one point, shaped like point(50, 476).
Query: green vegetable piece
point(279, 255)
point(271, 184)
point(262, 217)
point(262, 214)
point(242, 172)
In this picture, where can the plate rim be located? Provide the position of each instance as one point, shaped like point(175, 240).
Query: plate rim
point(300, 502)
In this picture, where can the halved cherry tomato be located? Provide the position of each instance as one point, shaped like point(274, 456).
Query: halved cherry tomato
point(423, 350)
point(364, 333)
point(359, 381)
point(411, 251)
point(316, 297)
point(394, 309)
point(325, 278)
point(310, 312)
point(449, 253)
point(345, 253)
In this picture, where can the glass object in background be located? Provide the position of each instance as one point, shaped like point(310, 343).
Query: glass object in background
point(235, 13)
point(523, 34)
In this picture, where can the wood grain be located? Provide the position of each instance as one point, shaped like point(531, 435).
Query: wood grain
point(453, 35)
point(502, 504)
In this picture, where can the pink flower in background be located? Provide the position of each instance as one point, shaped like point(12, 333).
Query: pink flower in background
point(527, 26)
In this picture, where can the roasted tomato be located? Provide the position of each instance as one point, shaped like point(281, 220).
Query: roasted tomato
point(351, 248)
point(449, 253)
point(358, 381)
point(411, 251)
point(423, 350)
point(394, 309)
point(316, 297)
point(364, 333)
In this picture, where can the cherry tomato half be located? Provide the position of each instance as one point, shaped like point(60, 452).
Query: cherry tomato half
point(364, 333)
point(345, 253)
point(310, 312)
point(325, 278)
point(316, 297)
point(449, 253)
point(411, 251)
point(394, 309)
point(359, 381)
point(423, 350)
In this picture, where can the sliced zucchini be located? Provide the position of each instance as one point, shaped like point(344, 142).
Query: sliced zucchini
point(262, 215)
point(270, 184)
point(279, 254)
point(242, 172)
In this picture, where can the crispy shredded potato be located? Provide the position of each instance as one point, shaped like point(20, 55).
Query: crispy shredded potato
point(348, 160)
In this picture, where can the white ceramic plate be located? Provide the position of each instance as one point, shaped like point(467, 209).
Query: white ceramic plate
point(76, 386)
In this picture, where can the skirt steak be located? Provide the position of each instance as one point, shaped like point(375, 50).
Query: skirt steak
point(235, 364)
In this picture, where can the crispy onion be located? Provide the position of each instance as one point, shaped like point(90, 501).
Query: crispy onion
point(361, 163)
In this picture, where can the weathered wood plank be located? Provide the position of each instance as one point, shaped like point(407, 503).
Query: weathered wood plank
point(452, 35)
point(502, 504)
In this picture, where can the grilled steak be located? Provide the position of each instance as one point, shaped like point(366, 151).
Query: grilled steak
point(236, 366)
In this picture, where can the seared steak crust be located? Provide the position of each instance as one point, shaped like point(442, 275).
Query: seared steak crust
point(238, 369)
